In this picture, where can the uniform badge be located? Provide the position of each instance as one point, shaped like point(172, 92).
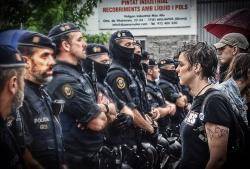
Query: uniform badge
point(67, 27)
point(96, 49)
point(10, 120)
point(68, 91)
point(36, 39)
point(120, 83)
point(119, 34)
point(149, 96)
point(18, 57)
point(62, 28)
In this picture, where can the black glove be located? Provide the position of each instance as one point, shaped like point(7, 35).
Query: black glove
point(123, 121)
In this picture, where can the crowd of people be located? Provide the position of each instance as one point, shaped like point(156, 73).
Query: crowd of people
point(66, 104)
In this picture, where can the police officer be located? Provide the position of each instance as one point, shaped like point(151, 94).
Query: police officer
point(97, 63)
point(228, 47)
point(83, 118)
point(155, 95)
point(123, 81)
point(43, 135)
point(137, 66)
point(128, 87)
point(11, 96)
point(172, 90)
point(145, 60)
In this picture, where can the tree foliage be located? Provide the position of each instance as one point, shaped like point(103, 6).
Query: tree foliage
point(101, 38)
point(41, 15)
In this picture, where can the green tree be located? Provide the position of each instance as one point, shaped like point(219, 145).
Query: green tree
point(101, 38)
point(41, 15)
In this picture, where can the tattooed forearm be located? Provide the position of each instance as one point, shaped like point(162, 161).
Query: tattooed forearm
point(216, 131)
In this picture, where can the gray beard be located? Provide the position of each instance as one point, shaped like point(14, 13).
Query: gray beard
point(48, 79)
point(18, 100)
point(43, 80)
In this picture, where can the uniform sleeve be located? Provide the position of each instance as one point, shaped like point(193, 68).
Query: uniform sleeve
point(120, 85)
point(79, 102)
point(119, 103)
point(169, 93)
point(217, 111)
point(23, 127)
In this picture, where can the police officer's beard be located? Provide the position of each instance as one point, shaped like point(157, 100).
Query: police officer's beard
point(18, 100)
point(43, 78)
point(123, 54)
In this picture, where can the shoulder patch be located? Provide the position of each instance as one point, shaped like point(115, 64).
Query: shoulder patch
point(67, 91)
point(149, 96)
point(120, 82)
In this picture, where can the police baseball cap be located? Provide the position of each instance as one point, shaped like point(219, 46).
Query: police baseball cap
point(152, 63)
point(164, 62)
point(10, 57)
point(96, 49)
point(145, 55)
point(62, 29)
point(233, 39)
point(34, 39)
point(122, 34)
point(137, 43)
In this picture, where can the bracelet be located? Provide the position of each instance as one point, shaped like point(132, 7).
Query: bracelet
point(107, 108)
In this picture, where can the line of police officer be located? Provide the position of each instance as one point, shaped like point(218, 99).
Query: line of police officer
point(110, 113)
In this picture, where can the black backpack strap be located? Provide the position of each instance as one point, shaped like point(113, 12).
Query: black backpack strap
point(237, 120)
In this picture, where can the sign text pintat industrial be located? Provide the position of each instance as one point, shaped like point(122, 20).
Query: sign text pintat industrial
point(119, 14)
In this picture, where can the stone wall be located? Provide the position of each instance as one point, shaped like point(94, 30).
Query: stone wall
point(166, 46)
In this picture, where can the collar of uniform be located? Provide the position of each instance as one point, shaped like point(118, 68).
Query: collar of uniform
point(76, 67)
point(122, 64)
point(151, 81)
point(30, 83)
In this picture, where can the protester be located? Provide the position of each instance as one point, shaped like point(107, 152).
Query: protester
point(227, 48)
point(205, 130)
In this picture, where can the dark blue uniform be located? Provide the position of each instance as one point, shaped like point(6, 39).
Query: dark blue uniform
point(10, 152)
point(73, 85)
point(171, 90)
point(128, 87)
point(42, 130)
point(128, 90)
point(154, 94)
point(156, 99)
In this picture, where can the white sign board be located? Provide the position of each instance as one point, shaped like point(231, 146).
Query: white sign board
point(120, 14)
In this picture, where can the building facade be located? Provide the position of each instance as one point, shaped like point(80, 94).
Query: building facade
point(162, 26)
